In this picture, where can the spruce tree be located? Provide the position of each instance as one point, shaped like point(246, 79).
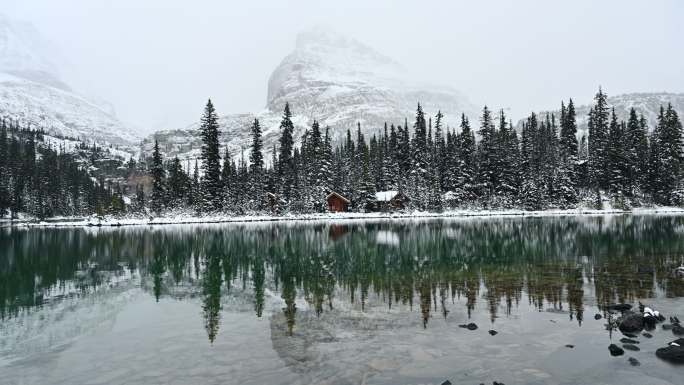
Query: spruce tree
point(616, 160)
point(486, 153)
point(257, 174)
point(419, 178)
point(211, 161)
point(598, 142)
point(285, 166)
point(158, 198)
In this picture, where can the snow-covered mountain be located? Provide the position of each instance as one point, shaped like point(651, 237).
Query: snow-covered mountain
point(32, 91)
point(335, 80)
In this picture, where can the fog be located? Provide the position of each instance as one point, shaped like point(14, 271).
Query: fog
point(157, 61)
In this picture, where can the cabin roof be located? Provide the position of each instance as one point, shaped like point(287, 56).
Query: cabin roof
point(334, 194)
point(385, 196)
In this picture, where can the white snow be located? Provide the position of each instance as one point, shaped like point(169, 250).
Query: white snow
point(190, 218)
point(385, 196)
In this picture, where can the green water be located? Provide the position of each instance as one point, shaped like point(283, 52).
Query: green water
point(340, 302)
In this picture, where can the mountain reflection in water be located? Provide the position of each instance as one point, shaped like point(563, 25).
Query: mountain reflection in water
point(561, 263)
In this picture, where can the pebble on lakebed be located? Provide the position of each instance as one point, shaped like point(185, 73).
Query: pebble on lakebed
point(631, 347)
point(628, 341)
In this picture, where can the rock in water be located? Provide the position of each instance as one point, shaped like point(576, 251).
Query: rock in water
point(647, 335)
point(628, 341)
point(633, 361)
point(447, 382)
point(598, 316)
point(569, 346)
point(666, 326)
point(470, 326)
point(498, 383)
point(630, 335)
point(615, 350)
point(671, 353)
point(493, 332)
point(631, 323)
point(678, 330)
point(631, 347)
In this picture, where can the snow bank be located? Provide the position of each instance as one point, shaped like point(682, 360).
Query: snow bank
point(225, 218)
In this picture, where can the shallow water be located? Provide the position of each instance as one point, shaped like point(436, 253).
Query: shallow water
point(347, 302)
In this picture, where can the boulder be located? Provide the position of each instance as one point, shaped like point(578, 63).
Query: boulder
point(493, 332)
point(672, 353)
point(631, 323)
point(633, 361)
point(615, 350)
point(597, 316)
point(650, 322)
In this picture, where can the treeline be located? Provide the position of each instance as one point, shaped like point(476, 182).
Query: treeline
point(545, 166)
point(43, 182)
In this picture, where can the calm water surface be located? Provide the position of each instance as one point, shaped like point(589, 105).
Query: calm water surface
point(337, 302)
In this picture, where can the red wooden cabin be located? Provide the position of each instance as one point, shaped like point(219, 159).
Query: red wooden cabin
point(337, 203)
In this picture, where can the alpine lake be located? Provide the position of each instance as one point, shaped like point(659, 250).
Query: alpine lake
point(519, 300)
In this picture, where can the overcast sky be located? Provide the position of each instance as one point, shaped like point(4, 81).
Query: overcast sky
point(158, 60)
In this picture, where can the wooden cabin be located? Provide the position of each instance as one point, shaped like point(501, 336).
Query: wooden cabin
point(390, 201)
point(337, 203)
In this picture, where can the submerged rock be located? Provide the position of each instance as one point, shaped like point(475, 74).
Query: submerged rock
point(633, 361)
point(647, 335)
point(615, 350)
point(447, 382)
point(628, 341)
point(597, 316)
point(470, 326)
point(672, 353)
point(569, 346)
point(666, 326)
point(678, 330)
point(631, 323)
point(493, 332)
point(631, 347)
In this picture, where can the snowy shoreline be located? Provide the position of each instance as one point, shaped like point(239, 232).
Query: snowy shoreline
point(190, 219)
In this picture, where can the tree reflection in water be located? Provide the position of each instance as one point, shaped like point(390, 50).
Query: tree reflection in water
point(490, 263)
